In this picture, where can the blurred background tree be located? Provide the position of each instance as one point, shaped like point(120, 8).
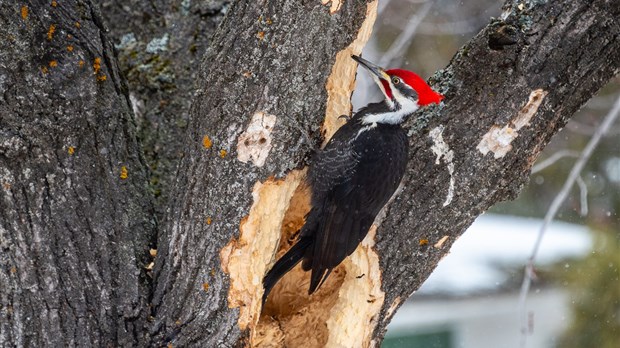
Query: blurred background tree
point(595, 285)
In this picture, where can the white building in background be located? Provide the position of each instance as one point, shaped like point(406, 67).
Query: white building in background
point(471, 299)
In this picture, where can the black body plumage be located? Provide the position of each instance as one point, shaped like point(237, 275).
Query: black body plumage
point(351, 180)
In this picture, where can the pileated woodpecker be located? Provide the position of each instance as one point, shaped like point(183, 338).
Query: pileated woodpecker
point(354, 176)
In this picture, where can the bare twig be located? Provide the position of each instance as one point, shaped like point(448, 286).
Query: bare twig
point(405, 36)
point(583, 194)
point(553, 209)
point(553, 158)
point(586, 129)
point(469, 25)
point(382, 6)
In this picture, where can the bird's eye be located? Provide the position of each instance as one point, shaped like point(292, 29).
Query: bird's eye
point(395, 80)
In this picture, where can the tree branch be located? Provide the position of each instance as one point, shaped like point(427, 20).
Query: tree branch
point(504, 102)
point(160, 45)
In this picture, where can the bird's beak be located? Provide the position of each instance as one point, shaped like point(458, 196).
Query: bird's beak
point(375, 69)
point(381, 78)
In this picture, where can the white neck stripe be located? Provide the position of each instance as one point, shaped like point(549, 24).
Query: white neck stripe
point(407, 107)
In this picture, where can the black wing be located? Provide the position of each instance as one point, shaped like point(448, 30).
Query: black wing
point(351, 182)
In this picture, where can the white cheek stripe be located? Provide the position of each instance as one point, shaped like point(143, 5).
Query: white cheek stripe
point(407, 107)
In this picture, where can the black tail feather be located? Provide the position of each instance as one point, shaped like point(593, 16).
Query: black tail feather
point(317, 279)
point(285, 264)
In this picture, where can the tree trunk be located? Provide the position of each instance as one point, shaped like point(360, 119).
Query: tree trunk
point(78, 217)
point(160, 44)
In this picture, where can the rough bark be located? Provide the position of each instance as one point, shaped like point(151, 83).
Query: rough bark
point(75, 228)
point(76, 218)
point(160, 45)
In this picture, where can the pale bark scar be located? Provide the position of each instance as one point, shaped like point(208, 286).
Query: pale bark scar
point(441, 242)
point(392, 308)
point(441, 149)
point(254, 143)
point(498, 140)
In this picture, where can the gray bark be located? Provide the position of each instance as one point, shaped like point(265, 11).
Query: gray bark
point(75, 236)
point(160, 45)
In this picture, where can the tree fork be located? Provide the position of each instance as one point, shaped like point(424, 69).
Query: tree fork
point(74, 259)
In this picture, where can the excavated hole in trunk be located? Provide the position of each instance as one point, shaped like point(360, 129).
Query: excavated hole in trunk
point(343, 311)
point(290, 315)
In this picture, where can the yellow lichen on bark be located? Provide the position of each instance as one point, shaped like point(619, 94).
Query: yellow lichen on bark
point(51, 31)
point(24, 12)
point(341, 81)
point(97, 65)
point(206, 142)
